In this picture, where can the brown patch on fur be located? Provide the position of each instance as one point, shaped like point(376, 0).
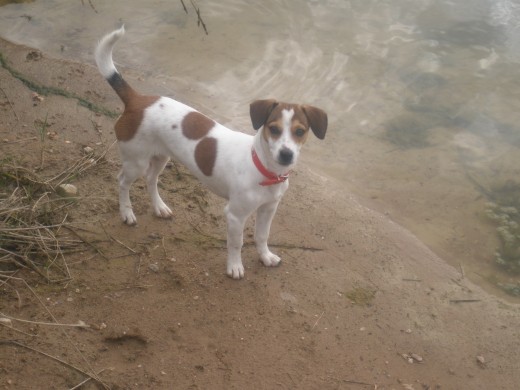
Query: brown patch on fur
point(265, 133)
point(206, 155)
point(298, 121)
point(318, 120)
point(196, 126)
point(305, 116)
point(299, 139)
point(259, 110)
point(128, 123)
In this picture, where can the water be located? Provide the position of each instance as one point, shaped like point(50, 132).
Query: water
point(423, 96)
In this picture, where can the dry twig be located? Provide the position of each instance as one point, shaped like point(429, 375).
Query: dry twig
point(200, 22)
point(11, 105)
point(91, 376)
point(79, 324)
point(65, 334)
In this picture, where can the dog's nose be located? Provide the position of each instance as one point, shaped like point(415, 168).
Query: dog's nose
point(285, 157)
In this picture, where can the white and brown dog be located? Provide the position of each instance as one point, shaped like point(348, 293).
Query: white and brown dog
point(249, 171)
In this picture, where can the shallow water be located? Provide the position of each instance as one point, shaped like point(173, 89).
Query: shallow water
point(422, 95)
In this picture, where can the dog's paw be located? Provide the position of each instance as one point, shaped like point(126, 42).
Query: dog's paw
point(163, 211)
point(235, 271)
point(128, 216)
point(270, 259)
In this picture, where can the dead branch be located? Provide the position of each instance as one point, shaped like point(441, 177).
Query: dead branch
point(67, 364)
point(200, 22)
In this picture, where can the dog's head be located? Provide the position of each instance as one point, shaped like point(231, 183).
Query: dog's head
point(286, 127)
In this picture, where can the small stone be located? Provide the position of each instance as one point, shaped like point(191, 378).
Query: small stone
point(416, 357)
point(88, 149)
point(67, 190)
point(407, 357)
point(481, 361)
point(154, 267)
point(6, 321)
point(37, 97)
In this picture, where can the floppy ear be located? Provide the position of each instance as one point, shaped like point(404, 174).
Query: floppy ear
point(317, 120)
point(259, 111)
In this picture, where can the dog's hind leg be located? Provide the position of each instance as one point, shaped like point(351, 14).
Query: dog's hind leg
point(130, 172)
point(157, 164)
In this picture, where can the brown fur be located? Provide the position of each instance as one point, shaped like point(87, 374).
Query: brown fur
point(196, 125)
point(206, 155)
point(135, 104)
point(305, 116)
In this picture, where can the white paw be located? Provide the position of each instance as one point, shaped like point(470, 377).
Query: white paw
point(235, 270)
point(270, 259)
point(163, 211)
point(127, 215)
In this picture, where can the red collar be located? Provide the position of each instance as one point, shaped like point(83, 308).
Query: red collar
point(271, 177)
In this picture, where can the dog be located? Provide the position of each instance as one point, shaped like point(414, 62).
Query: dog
point(249, 171)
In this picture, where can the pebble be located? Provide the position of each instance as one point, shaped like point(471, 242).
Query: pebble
point(481, 361)
point(6, 321)
point(412, 358)
point(88, 149)
point(37, 97)
point(154, 267)
point(67, 190)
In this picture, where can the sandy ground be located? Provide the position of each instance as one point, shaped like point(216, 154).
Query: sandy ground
point(358, 303)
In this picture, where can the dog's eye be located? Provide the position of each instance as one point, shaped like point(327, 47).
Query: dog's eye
point(299, 132)
point(275, 130)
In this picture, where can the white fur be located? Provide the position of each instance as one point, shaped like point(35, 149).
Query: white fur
point(234, 176)
point(103, 53)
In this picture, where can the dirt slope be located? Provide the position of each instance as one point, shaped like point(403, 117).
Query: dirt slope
point(355, 292)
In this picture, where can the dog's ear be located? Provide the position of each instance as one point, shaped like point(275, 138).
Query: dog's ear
point(260, 110)
point(317, 120)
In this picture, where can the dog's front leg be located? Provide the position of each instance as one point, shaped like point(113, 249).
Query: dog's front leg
point(235, 239)
point(264, 217)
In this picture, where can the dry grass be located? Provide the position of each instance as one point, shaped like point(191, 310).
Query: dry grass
point(35, 231)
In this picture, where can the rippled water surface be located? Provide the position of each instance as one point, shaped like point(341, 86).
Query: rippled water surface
point(423, 96)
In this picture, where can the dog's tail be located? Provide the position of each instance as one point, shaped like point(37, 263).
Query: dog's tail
point(105, 64)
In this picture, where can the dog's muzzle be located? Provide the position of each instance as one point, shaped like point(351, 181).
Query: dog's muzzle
point(286, 156)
